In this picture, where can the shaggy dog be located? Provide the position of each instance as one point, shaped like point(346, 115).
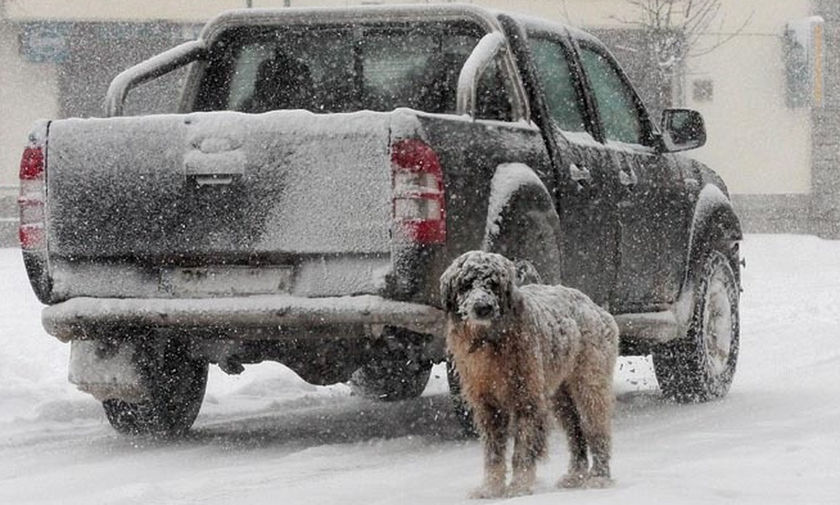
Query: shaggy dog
point(523, 353)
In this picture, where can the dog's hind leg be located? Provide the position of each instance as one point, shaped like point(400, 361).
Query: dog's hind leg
point(569, 419)
point(493, 424)
point(530, 441)
point(594, 402)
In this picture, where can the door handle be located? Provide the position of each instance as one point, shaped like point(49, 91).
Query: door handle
point(214, 161)
point(579, 174)
point(215, 168)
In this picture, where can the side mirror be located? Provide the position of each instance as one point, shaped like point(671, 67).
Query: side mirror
point(682, 129)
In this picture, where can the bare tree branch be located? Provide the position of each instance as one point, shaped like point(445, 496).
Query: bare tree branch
point(677, 27)
point(729, 37)
point(677, 30)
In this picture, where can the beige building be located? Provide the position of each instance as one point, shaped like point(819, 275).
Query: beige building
point(777, 156)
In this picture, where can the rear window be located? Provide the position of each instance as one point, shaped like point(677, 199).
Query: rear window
point(347, 68)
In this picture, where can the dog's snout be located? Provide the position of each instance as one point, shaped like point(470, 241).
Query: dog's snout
point(483, 309)
point(479, 305)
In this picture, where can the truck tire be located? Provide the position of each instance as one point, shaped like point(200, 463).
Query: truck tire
point(396, 369)
point(175, 382)
point(460, 407)
point(391, 380)
point(700, 367)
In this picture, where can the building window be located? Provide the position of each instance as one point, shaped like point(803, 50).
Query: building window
point(703, 90)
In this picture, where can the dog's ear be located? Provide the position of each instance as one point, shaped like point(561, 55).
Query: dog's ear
point(448, 287)
point(526, 273)
point(508, 281)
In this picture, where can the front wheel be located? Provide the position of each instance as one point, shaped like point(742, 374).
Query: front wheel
point(700, 367)
point(174, 383)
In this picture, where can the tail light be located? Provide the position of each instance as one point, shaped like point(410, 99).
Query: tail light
point(32, 198)
point(419, 206)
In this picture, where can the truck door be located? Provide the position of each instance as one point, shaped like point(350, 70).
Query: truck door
point(587, 183)
point(651, 202)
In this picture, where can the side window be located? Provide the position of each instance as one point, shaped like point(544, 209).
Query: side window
point(562, 100)
point(492, 99)
point(616, 103)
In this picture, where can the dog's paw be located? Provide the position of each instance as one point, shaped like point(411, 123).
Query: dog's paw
point(598, 482)
point(484, 492)
point(518, 490)
point(573, 480)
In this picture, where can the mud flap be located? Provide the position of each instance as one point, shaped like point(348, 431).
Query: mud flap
point(106, 371)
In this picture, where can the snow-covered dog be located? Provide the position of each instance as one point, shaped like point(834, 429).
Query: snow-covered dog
point(523, 353)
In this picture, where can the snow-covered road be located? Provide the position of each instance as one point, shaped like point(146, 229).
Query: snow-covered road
point(267, 437)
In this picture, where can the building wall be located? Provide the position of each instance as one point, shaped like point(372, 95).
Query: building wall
point(758, 143)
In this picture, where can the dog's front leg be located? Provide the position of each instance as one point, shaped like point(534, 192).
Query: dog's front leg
point(530, 428)
point(493, 424)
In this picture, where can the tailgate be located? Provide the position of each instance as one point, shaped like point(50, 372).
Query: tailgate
point(221, 187)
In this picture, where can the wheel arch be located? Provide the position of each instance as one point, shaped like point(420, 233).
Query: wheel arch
point(517, 196)
point(714, 225)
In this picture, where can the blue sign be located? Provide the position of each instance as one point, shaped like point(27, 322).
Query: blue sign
point(45, 42)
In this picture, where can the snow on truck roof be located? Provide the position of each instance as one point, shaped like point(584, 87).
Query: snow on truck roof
point(358, 14)
point(553, 26)
point(487, 18)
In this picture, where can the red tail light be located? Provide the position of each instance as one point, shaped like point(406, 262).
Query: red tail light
point(31, 199)
point(419, 206)
point(31, 236)
point(32, 164)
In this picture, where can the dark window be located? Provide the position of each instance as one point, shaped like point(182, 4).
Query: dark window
point(345, 69)
point(555, 75)
point(617, 105)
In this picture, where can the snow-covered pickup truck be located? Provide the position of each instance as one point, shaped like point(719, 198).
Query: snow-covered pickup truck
point(325, 167)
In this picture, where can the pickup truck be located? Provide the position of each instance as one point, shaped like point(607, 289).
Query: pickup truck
point(323, 169)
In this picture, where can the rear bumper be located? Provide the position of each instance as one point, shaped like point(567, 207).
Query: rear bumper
point(253, 317)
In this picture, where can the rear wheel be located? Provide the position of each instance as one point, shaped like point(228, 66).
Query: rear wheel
point(390, 380)
point(174, 383)
point(701, 366)
point(398, 369)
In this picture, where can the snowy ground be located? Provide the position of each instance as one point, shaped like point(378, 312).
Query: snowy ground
point(267, 437)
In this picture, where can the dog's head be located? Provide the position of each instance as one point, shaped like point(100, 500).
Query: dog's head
point(479, 287)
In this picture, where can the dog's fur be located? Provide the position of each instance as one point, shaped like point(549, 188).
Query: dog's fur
point(523, 353)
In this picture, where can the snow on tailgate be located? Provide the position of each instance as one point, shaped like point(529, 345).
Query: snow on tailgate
point(220, 183)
